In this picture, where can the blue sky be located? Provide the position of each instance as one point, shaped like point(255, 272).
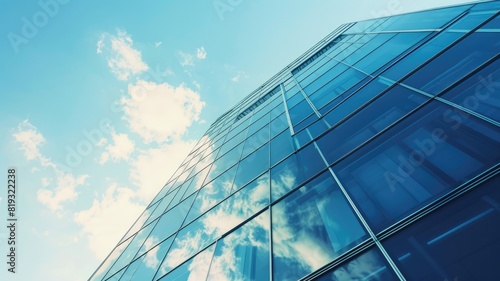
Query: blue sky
point(102, 100)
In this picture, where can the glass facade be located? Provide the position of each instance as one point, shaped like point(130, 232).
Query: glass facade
point(374, 156)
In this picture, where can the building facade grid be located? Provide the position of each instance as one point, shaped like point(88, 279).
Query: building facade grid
point(374, 156)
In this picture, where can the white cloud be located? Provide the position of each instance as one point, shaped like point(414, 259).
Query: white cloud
point(201, 53)
point(160, 112)
point(157, 44)
point(122, 58)
point(151, 170)
point(186, 59)
point(29, 139)
point(100, 44)
point(239, 75)
point(109, 218)
point(121, 149)
point(64, 191)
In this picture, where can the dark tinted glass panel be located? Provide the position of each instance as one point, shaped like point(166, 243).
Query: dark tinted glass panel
point(367, 122)
point(294, 170)
point(325, 78)
point(426, 19)
point(348, 104)
point(337, 86)
point(458, 242)
point(470, 21)
point(306, 122)
point(243, 254)
point(480, 92)
point(311, 227)
point(370, 265)
point(388, 51)
point(419, 56)
point(456, 62)
point(300, 111)
point(308, 134)
point(281, 146)
point(423, 157)
point(364, 50)
point(294, 100)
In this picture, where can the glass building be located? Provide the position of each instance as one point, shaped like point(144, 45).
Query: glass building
point(373, 156)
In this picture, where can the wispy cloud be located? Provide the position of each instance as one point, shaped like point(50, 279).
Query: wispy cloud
point(123, 60)
point(188, 59)
point(201, 53)
point(29, 140)
point(157, 44)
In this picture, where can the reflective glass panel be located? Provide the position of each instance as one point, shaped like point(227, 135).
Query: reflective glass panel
point(243, 254)
point(455, 63)
point(370, 265)
point(311, 227)
point(144, 268)
point(281, 146)
point(460, 241)
point(480, 92)
point(194, 269)
point(367, 122)
point(423, 157)
point(294, 170)
point(252, 166)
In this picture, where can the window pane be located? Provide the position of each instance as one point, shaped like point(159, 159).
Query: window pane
point(422, 54)
point(281, 146)
point(194, 269)
point(243, 254)
point(337, 86)
point(295, 170)
point(423, 157)
point(367, 122)
point(300, 111)
point(311, 227)
point(256, 140)
point(426, 19)
point(388, 51)
point(370, 265)
point(278, 125)
point(480, 92)
point(144, 268)
point(460, 241)
point(211, 194)
point(218, 221)
point(252, 166)
point(172, 220)
point(455, 63)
